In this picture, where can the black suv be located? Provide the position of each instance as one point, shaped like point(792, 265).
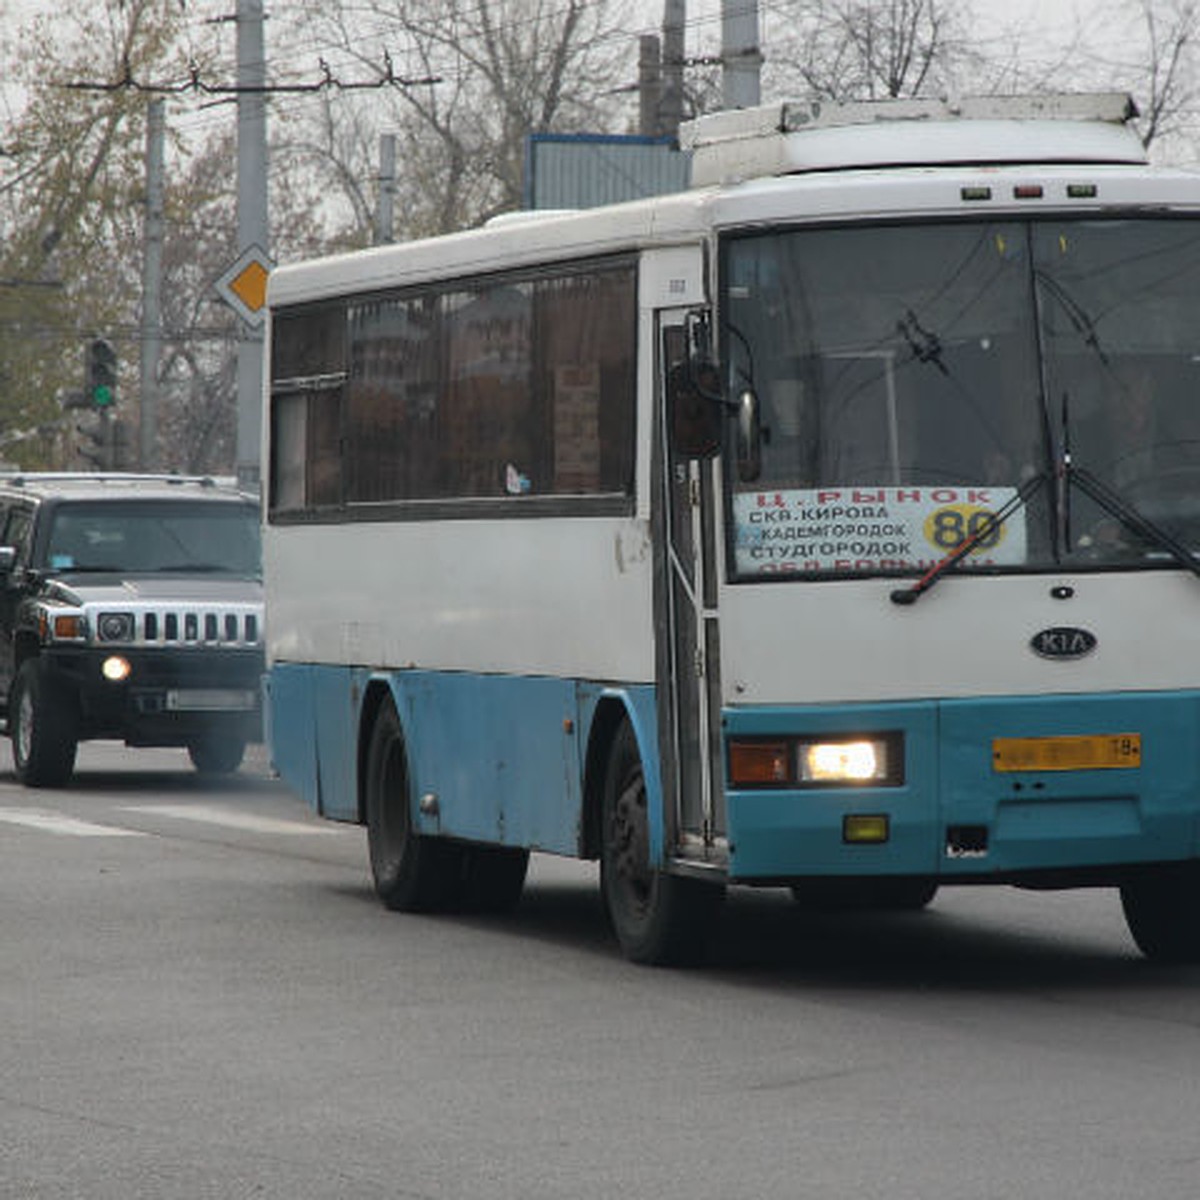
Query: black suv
point(131, 608)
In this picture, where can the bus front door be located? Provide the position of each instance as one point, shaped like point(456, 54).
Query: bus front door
point(688, 657)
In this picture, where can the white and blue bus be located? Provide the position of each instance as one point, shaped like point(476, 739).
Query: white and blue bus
point(831, 525)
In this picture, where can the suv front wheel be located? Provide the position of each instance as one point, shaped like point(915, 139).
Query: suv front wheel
point(217, 755)
point(44, 728)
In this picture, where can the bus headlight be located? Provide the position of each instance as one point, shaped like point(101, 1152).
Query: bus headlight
point(798, 762)
point(842, 762)
point(115, 668)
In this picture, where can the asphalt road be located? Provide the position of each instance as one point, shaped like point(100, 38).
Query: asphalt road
point(200, 997)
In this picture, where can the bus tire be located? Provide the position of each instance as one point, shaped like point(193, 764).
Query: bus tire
point(412, 873)
point(659, 919)
point(493, 878)
point(1162, 910)
point(43, 724)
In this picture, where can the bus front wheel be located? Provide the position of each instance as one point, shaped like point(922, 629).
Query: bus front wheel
point(658, 918)
point(412, 873)
point(1162, 910)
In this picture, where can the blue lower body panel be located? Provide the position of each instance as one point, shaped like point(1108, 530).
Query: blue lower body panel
point(502, 755)
point(505, 759)
point(955, 815)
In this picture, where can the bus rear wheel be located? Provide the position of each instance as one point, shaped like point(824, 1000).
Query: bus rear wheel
point(1162, 910)
point(412, 873)
point(658, 918)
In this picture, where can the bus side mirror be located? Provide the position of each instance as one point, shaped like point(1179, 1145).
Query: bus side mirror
point(749, 437)
point(694, 409)
point(8, 560)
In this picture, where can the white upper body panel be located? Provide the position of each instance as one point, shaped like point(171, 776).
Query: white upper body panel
point(846, 641)
point(574, 597)
point(561, 597)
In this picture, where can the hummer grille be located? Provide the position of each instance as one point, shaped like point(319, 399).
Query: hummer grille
point(181, 625)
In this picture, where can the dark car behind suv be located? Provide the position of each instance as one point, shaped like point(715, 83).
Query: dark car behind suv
point(130, 608)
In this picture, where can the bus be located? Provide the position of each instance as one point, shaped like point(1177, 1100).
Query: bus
point(828, 526)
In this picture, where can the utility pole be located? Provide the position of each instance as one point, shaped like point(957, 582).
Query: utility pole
point(649, 85)
point(385, 206)
point(741, 56)
point(151, 324)
point(252, 227)
point(671, 104)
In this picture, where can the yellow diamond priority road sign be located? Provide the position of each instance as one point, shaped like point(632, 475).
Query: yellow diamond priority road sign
point(243, 286)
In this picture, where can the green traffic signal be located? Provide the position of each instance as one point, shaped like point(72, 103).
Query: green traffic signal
point(101, 373)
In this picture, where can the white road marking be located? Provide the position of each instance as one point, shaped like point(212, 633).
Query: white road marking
point(52, 822)
point(229, 818)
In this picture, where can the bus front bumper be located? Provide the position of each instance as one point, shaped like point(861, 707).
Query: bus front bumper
point(990, 788)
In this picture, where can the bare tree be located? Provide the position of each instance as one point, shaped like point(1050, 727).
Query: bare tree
point(479, 78)
point(72, 180)
point(1164, 78)
point(866, 49)
point(1145, 47)
point(71, 186)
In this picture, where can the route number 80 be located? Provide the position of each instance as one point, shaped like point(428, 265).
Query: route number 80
point(948, 527)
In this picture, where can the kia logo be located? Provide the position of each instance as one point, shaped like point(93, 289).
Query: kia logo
point(1063, 641)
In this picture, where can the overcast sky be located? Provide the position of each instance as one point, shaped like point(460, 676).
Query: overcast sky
point(1039, 24)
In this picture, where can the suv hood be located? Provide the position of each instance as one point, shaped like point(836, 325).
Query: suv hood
point(152, 589)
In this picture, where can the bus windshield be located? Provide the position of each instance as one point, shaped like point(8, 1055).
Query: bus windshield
point(911, 379)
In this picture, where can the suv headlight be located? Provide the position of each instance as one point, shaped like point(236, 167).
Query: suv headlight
point(114, 627)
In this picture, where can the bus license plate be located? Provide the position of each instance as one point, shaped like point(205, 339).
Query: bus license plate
point(1084, 752)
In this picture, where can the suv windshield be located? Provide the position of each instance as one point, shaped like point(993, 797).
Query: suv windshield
point(153, 536)
point(912, 379)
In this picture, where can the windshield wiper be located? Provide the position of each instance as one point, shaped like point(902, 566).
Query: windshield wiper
point(1079, 316)
point(926, 346)
point(198, 568)
point(1150, 531)
point(909, 595)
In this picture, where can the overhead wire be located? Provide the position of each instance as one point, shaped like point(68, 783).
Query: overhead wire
point(288, 84)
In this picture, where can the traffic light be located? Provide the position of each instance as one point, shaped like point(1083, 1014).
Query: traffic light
point(122, 454)
point(94, 444)
point(101, 386)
